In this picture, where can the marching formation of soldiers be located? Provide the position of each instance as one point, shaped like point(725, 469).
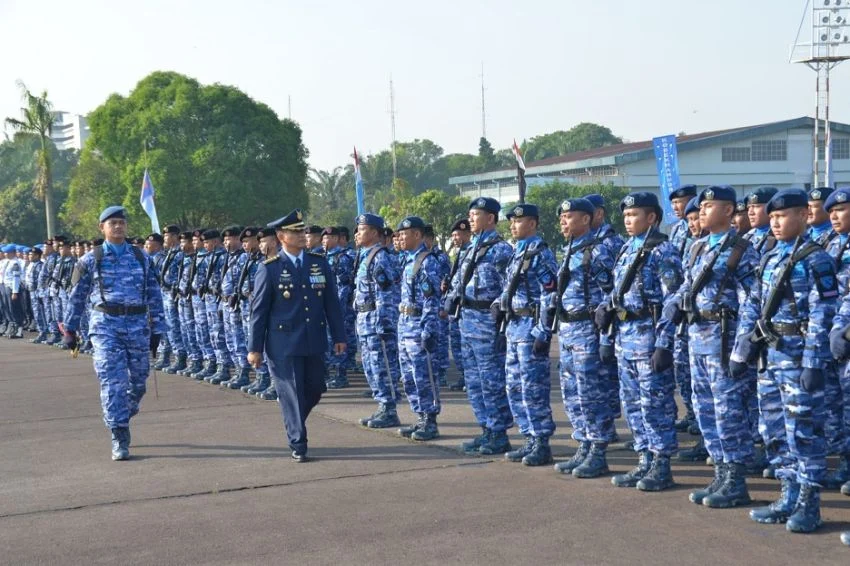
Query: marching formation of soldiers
point(744, 309)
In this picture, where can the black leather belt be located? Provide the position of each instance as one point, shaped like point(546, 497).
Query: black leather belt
point(121, 310)
point(408, 310)
point(787, 329)
point(712, 316)
point(631, 316)
point(477, 305)
point(365, 307)
point(578, 316)
point(525, 312)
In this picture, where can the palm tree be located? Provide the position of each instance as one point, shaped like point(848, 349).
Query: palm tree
point(38, 121)
point(326, 189)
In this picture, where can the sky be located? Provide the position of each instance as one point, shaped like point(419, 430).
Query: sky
point(643, 68)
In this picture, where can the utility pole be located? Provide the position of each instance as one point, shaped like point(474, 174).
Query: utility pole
point(392, 126)
point(483, 112)
point(289, 106)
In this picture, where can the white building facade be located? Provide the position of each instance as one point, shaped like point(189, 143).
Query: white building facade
point(69, 131)
point(780, 154)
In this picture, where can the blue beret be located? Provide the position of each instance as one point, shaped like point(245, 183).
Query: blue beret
point(9, 249)
point(22, 249)
point(265, 232)
point(231, 231)
point(597, 200)
point(330, 231)
point(248, 232)
point(576, 205)
point(155, 238)
point(642, 199)
point(820, 193)
point(840, 196)
point(719, 192)
point(411, 222)
point(461, 225)
point(486, 204)
point(210, 234)
point(788, 198)
point(370, 220)
point(741, 205)
point(761, 195)
point(171, 229)
point(692, 206)
point(684, 191)
point(39, 247)
point(113, 212)
point(38, 250)
point(523, 210)
point(292, 221)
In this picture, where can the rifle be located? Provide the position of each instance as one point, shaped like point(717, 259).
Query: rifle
point(700, 281)
point(221, 278)
point(626, 284)
point(452, 306)
point(563, 281)
point(506, 310)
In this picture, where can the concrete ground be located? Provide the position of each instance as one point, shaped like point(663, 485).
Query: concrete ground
point(211, 482)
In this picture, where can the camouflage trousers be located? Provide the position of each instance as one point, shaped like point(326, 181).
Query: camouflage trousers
point(484, 371)
point(234, 337)
point(454, 340)
point(172, 318)
point(122, 362)
point(381, 367)
point(202, 329)
point(719, 402)
point(245, 314)
point(837, 405)
point(649, 405)
point(215, 321)
point(585, 385)
point(804, 416)
point(682, 371)
point(37, 305)
point(350, 321)
point(528, 386)
point(418, 377)
point(187, 325)
point(441, 356)
point(772, 417)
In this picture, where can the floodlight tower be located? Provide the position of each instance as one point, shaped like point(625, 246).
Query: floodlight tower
point(830, 45)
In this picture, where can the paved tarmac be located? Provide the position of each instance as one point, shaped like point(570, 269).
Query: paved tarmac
point(211, 482)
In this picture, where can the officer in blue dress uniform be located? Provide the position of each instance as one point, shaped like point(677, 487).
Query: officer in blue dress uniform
point(294, 303)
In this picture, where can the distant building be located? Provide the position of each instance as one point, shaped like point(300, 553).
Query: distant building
point(69, 131)
point(778, 154)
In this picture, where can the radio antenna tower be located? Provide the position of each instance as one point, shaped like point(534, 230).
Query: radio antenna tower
point(483, 111)
point(829, 46)
point(392, 126)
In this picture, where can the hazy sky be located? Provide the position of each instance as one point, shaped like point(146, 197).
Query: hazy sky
point(642, 68)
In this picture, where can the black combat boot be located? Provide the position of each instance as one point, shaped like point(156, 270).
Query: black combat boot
point(120, 443)
point(40, 339)
point(633, 476)
point(261, 383)
point(473, 446)
point(781, 509)
point(659, 477)
point(243, 377)
point(521, 452)
point(407, 431)
point(207, 370)
point(581, 454)
point(162, 360)
point(841, 475)
point(458, 385)
point(845, 489)
point(427, 432)
point(541, 453)
point(733, 492)
point(222, 375)
point(696, 453)
point(496, 443)
point(596, 463)
point(269, 393)
point(386, 417)
point(806, 516)
point(191, 369)
point(719, 477)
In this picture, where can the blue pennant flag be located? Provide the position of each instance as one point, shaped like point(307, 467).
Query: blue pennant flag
point(147, 202)
point(667, 162)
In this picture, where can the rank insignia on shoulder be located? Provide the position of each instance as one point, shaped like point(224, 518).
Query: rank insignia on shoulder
point(271, 260)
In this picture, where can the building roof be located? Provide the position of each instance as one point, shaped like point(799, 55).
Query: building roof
point(637, 151)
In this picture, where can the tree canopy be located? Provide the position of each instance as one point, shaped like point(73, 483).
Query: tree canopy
point(215, 156)
point(581, 137)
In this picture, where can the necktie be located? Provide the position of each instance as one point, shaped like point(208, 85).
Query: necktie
point(298, 264)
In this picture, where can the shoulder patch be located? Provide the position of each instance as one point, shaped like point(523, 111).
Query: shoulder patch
point(825, 280)
point(271, 260)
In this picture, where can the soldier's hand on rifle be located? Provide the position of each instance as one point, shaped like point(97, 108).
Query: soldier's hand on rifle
point(606, 353)
point(429, 343)
point(501, 345)
point(737, 369)
point(672, 312)
point(540, 348)
point(604, 316)
point(495, 309)
point(444, 286)
point(385, 332)
point(662, 360)
point(838, 344)
point(811, 380)
point(747, 348)
point(69, 339)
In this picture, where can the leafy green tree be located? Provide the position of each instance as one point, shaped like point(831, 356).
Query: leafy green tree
point(21, 214)
point(95, 185)
point(434, 206)
point(486, 155)
point(215, 156)
point(38, 121)
point(332, 197)
point(582, 137)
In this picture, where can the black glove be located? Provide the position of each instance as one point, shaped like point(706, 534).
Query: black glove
point(606, 353)
point(430, 344)
point(737, 369)
point(501, 345)
point(385, 333)
point(603, 316)
point(672, 312)
point(495, 309)
point(540, 348)
point(155, 339)
point(838, 345)
point(69, 339)
point(747, 348)
point(662, 360)
point(811, 380)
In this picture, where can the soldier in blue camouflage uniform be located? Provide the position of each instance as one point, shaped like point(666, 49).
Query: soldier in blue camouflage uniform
point(461, 236)
point(168, 278)
point(608, 237)
point(314, 239)
point(441, 358)
point(45, 281)
point(229, 307)
point(350, 316)
point(418, 329)
point(375, 286)
point(252, 243)
point(198, 286)
point(789, 338)
point(61, 281)
point(481, 281)
point(741, 220)
point(32, 277)
point(126, 324)
point(342, 265)
point(584, 277)
point(719, 271)
point(647, 270)
point(186, 308)
point(154, 248)
point(765, 402)
point(524, 307)
point(837, 384)
point(215, 265)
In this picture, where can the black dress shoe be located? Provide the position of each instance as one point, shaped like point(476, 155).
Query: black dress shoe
point(300, 457)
